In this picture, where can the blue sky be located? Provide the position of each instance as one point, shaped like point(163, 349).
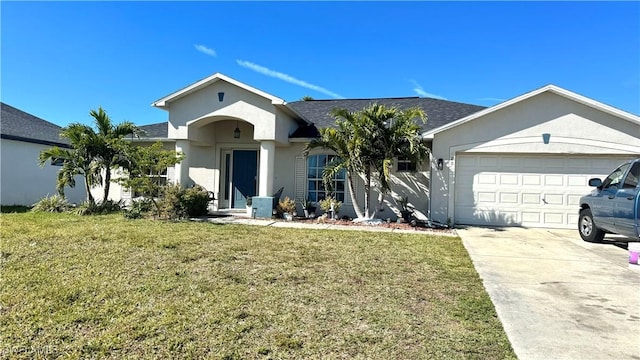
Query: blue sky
point(62, 59)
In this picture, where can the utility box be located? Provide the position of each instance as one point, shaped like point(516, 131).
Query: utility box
point(262, 206)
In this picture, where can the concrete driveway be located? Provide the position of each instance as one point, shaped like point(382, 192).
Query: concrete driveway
point(557, 296)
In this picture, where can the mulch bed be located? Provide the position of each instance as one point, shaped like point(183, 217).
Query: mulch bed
point(387, 225)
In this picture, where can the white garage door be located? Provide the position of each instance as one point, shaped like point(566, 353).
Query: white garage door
point(526, 190)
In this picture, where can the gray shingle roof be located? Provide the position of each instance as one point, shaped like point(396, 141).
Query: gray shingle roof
point(16, 124)
point(159, 130)
point(439, 112)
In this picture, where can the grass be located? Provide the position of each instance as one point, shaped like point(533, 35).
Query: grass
point(106, 287)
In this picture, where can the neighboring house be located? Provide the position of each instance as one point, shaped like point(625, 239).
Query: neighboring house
point(522, 162)
point(22, 180)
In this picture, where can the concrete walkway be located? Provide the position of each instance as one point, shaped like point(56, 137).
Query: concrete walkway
point(557, 296)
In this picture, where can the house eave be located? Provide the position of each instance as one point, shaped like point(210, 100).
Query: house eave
point(548, 88)
point(35, 141)
point(163, 103)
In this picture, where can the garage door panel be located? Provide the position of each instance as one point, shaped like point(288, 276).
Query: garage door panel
point(531, 199)
point(509, 179)
point(509, 198)
point(531, 179)
point(527, 190)
point(554, 180)
point(554, 199)
point(486, 197)
point(554, 218)
point(577, 180)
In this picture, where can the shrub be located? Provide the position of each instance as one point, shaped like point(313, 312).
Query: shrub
point(287, 205)
point(195, 201)
point(104, 208)
point(325, 204)
point(55, 203)
point(139, 209)
point(14, 209)
point(169, 206)
point(178, 203)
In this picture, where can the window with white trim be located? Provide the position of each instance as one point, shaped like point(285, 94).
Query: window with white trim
point(158, 178)
point(315, 187)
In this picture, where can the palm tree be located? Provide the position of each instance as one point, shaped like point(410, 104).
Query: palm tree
point(342, 142)
point(395, 133)
point(109, 148)
point(366, 142)
point(92, 153)
point(73, 163)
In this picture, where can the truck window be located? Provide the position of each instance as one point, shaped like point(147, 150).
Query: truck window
point(614, 181)
point(631, 181)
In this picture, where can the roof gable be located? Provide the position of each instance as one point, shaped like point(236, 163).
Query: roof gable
point(22, 126)
point(548, 88)
point(162, 103)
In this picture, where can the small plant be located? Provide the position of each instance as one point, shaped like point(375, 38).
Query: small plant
point(55, 203)
point(403, 202)
point(287, 205)
point(104, 208)
point(405, 211)
point(309, 208)
point(308, 205)
point(325, 204)
point(139, 209)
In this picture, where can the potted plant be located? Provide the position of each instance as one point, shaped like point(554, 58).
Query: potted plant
point(330, 204)
point(405, 212)
point(249, 206)
point(287, 207)
point(309, 208)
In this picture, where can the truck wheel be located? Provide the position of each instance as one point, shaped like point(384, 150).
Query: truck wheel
point(587, 228)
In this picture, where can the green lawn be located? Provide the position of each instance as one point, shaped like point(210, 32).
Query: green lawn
point(94, 287)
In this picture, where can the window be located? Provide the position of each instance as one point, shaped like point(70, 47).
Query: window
point(614, 180)
point(405, 164)
point(631, 181)
point(57, 161)
point(159, 179)
point(315, 186)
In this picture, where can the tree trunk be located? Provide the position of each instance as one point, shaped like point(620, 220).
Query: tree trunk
point(354, 198)
point(107, 182)
point(379, 207)
point(367, 193)
point(87, 187)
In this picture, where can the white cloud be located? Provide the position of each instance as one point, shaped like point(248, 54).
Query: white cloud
point(287, 78)
point(417, 88)
point(205, 50)
point(492, 99)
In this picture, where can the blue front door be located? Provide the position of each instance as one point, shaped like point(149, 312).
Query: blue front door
point(245, 164)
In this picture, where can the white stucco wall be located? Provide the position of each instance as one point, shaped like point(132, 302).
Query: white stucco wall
point(116, 191)
point(574, 128)
point(23, 181)
point(413, 185)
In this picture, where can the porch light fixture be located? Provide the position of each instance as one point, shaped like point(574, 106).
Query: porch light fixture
point(236, 132)
point(440, 164)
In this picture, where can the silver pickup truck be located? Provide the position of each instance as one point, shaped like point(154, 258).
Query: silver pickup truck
point(613, 206)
